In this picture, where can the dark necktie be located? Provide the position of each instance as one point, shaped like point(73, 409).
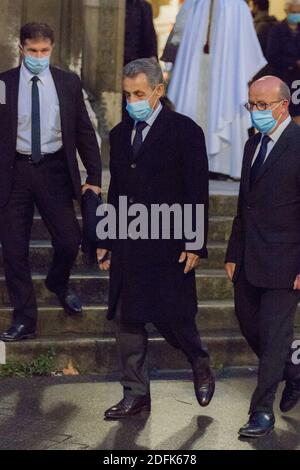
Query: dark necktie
point(259, 161)
point(138, 138)
point(36, 154)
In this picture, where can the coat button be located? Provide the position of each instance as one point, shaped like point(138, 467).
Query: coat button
point(131, 200)
point(133, 165)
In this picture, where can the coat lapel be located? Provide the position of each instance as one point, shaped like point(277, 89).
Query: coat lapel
point(62, 97)
point(127, 128)
point(252, 146)
point(276, 152)
point(157, 129)
point(14, 97)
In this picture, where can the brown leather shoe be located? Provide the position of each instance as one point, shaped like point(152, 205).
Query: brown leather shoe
point(204, 382)
point(129, 406)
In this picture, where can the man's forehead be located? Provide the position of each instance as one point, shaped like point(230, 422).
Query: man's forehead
point(139, 81)
point(37, 43)
point(263, 92)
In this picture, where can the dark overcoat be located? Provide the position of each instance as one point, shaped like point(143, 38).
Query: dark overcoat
point(171, 167)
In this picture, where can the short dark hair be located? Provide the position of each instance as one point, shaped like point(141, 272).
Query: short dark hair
point(149, 66)
point(36, 31)
point(262, 5)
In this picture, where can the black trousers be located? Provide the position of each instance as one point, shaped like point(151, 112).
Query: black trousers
point(48, 186)
point(266, 318)
point(132, 346)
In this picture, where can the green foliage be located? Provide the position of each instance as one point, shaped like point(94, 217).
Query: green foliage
point(43, 365)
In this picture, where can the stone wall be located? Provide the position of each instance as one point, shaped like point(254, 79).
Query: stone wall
point(89, 40)
point(103, 50)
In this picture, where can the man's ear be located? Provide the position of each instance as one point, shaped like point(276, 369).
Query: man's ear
point(161, 89)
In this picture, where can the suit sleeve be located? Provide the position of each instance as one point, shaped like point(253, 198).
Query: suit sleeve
point(112, 197)
point(86, 140)
point(149, 34)
point(195, 178)
point(236, 240)
point(275, 55)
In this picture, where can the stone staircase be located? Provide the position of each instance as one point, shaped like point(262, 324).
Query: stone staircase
point(89, 340)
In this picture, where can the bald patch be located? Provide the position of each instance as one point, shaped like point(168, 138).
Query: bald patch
point(270, 88)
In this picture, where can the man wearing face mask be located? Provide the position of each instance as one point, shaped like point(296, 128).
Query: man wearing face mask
point(283, 52)
point(43, 123)
point(263, 255)
point(157, 157)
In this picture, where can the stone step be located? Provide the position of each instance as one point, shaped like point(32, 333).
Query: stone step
point(53, 321)
point(219, 228)
point(219, 204)
point(41, 253)
point(92, 287)
point(92, 354)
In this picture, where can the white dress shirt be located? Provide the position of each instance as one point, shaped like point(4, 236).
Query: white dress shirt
point(51, 135)
point(149, 121)
point(274, 138)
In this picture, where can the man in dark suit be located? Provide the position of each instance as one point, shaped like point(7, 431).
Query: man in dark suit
point(263, 256)
point(43, 123)
point(140, 35)
point(157, 156)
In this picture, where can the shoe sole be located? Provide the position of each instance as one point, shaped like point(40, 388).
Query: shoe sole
point(142, 410)
point(70, 312)
point(29, 336)
point(255, 436)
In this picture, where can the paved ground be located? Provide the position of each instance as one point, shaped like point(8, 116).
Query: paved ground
point(66, 413)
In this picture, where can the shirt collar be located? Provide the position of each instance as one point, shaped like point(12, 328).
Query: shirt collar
point(276, 134)
point(27, 75)
point(151, 119)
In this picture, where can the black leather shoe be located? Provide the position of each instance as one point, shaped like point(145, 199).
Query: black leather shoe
point(17, 333)
point(129, 406)
point(71, 303)
point(260, 424)
point(204, 382)
point(290, 395)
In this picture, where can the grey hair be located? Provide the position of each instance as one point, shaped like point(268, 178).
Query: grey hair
point(285, 92)
point(150, 67)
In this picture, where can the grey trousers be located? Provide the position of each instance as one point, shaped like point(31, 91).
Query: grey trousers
point(132, 347)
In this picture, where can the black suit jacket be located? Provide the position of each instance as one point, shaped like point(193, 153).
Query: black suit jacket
point(171, 167)
point(140, 35)
point(265, 236)
point(77, 131)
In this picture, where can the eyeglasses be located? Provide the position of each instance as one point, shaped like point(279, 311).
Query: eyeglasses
point(260, 105)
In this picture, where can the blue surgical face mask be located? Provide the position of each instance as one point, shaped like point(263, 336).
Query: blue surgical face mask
point(140, 110)
point(293, 18)
point(36, 65)
point(264, 121)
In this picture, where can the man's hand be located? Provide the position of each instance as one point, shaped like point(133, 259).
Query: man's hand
point(192, 261)
point(103, 259)
point(230, 268)
point(297, 283)
point(96, 189)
